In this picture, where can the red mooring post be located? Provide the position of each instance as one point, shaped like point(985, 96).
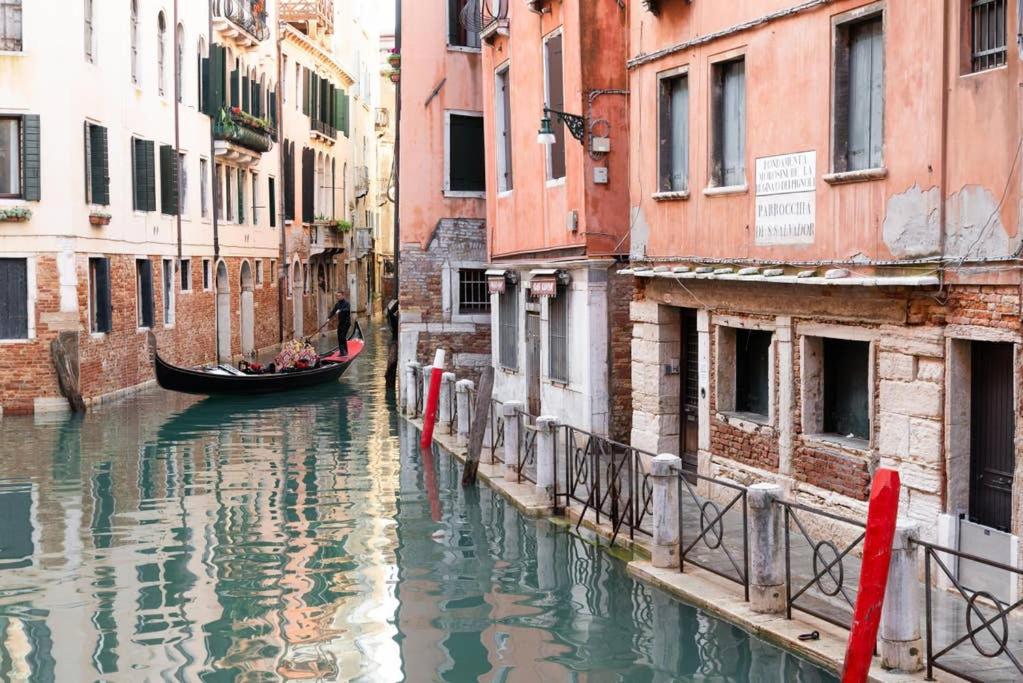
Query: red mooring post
point(430, 415)
point(877, 554)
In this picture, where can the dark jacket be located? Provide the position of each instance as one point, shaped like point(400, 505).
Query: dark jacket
point(342, 309)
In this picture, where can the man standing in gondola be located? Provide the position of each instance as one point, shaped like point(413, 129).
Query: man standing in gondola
point(343, 311)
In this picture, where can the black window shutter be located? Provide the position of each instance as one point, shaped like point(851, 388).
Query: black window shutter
point(30, 161)
point(168, 180)
point(102, 283)
point(339, 109)
point(137, 164)
point(273, 109)
point(99, 164)
point(150, 175)
point(308, 160)
point(13, 298)
point(215, 85)
point(289, 180)
point(466, 162)
point(145, 276)
point(245, 91)
point(235, 88)
point(272, 194)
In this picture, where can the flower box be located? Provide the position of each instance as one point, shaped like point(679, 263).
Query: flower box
point(395, 76)
point(394, 59)
point(99, 218)
point(15, 214)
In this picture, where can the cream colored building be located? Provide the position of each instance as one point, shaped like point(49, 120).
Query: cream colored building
point(386, 128)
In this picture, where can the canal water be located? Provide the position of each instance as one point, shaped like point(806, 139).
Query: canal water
point(306, 537)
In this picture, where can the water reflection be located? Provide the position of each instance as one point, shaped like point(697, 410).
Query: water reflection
point(296, 538)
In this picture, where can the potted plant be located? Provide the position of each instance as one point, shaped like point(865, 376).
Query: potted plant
point(394, 59)
point(15, 214)
point(396, 75)
point(99, 218)
point(342, 226)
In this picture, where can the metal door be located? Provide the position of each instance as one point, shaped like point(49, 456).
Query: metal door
point(533, 362)
point(992, 433)
point(689, 366)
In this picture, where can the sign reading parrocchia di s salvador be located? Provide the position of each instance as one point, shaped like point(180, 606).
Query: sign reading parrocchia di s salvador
point(786, 198)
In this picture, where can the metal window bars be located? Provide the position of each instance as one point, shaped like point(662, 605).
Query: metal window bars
point(988, 47)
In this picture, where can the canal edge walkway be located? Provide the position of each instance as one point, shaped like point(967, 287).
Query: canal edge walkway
point(696, 587)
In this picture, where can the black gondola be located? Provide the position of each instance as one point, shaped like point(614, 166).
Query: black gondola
point(215, 380)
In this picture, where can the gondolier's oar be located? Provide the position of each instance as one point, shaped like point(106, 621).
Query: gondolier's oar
point(306, 339)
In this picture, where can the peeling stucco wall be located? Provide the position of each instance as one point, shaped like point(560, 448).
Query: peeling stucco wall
point(639, 233)
point(911, 223)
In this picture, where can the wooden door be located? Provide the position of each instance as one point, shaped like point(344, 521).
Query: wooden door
point(689, 399)
point(992, 432)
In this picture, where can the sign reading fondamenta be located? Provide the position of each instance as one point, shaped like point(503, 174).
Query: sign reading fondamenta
point(786, 203)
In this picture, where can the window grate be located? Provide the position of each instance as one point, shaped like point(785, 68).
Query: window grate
point(473, 293)
point(987, 30)
point(509, 327)
point(558, 311)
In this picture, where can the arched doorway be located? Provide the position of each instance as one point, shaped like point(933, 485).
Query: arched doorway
point(247, 311)
point(296, 297)
point(223, 314)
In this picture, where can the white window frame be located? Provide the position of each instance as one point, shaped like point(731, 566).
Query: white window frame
point(259, 272)
point(503, 164)
point(167, 298)
point(549, 149)
point(204, 185)
point(448, 192)
point(450, 293)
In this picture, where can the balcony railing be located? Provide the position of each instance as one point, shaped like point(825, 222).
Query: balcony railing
point(248, 15)
point(494, 19)
point(244, 130)
point(324, 129)
point(306, 12)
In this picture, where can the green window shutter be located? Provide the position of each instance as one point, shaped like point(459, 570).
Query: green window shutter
point(273, 109)
point(30, 161)
point(88, 163)
point(102, 275)
point(99, 164)
point(306, 91)
point(235, 87)
point(348, 111)
point(215, 90)
point(138, 159)
point(246, 91)
point(339, 97)
point(150, 175)
point(168, 180)
point(272, 196)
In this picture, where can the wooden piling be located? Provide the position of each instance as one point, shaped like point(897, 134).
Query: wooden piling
point(479, 426)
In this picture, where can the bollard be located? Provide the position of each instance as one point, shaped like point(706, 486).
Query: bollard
point(425, 392)
point(766, 552)
point(510, 415)
point(463, 397)
point(431, 397)
point(901, 646)
point(663, 476)
point(444, 408)
point(411, 389)
point(546, 431)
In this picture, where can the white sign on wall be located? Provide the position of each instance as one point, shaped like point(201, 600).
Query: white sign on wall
point(786, 203)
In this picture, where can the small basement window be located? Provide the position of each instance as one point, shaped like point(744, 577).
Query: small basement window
point(744, 372)
point(837, 388)
point(473, 292)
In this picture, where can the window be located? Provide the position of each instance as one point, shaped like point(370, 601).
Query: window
point(186, 274)
point(218, 192)
point(557, 309)
point(168, 291)
point(134, 29)
point(241, 196)
point(19, 157)
point(179, 60)
point(273, 271)
point(859, 95)
point(182, 183)
point(473, 292)
point(10, 26)
point(504, 142)
point(458, 34)
point(752, 351)
point(555, 84)
point(298, 87)
point(259, 272)
point(271, 193)
point(255, 195)
point(97, 165)
point(161, 53)
point(99, 295)
point(674, 133)
point(987, 34)
point(144, 292)
point(143, 164)
point(206, 282)
point(729, 123)
point(169, 180)
point(204, 184)
point(508, 323)
point(465, 154)
point(229, 193)
point(305, 277)
point(201, 75)
point(90, 44)
point(836, 387)
point(13, 298)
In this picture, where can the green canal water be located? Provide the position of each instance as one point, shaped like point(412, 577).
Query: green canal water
point(306, 537)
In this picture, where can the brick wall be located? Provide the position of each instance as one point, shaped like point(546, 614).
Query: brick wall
point(832, 470)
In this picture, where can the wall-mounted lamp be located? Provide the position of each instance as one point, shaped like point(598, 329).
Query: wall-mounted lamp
point(576, 126)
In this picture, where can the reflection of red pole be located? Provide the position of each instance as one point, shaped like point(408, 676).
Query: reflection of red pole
point(877, 554)
point(430, 416)
point(430, 479)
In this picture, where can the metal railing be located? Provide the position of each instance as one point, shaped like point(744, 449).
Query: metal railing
point(241, 14)
point(526, 464)
point(987, 622)
point(721, 541)
point(304, 11)
point(821, 565)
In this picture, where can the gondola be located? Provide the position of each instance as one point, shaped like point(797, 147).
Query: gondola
point(224, 379)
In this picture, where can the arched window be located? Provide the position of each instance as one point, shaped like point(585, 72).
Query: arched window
point(200, 54)
point(161, 53)
point(264, 108)
point(253, 99)
point(135, 42)
point(179, 77)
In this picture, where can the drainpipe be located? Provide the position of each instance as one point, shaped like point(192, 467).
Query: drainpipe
point(216, 190)
point(945, 65)
point(397, 153)
point(177, 128)
point(282, 250)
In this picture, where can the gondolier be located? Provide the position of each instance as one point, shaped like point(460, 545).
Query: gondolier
point(343, 311)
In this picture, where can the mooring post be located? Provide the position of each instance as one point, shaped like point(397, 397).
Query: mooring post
point(427, 375)
point(463, 390)
point(447, 395)
point(663, 476)
point(901, 645)
point(546, 430)
point(411, 389)
point(766, 551)
point(510, 415)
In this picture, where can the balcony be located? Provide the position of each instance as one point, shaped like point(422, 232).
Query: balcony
point(494, 19)
point(319, 130)
point(243, 20)
point(241, 138)
point(308, 15)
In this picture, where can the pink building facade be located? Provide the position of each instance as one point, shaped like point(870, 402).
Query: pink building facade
point(825, 241)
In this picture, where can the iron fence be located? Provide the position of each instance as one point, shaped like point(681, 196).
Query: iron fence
point(820, 570)
point(721, 541)
point(978, 624)
point(496, 432)
point(526, 464)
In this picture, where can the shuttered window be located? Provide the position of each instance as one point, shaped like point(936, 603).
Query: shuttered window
point(206, 280)
point(859, 95)
point(508, 323)
point(13, 298)
point(289, 180)
point(99, 295)
point(558, 335)
point(308, 180)
point(503, 132)
point(169, 180)
point(241, 196)
point(271, 193)
point(185, 265)
point(674, 134)
point(729, 123)
point(229, 193)
point(10, 25)
point(144, 292)
point(465, 154)
point(215, 80)
point(97, 165)
point(218, 191)
point(553, 59)
point(10, 156)
point(143, 164)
